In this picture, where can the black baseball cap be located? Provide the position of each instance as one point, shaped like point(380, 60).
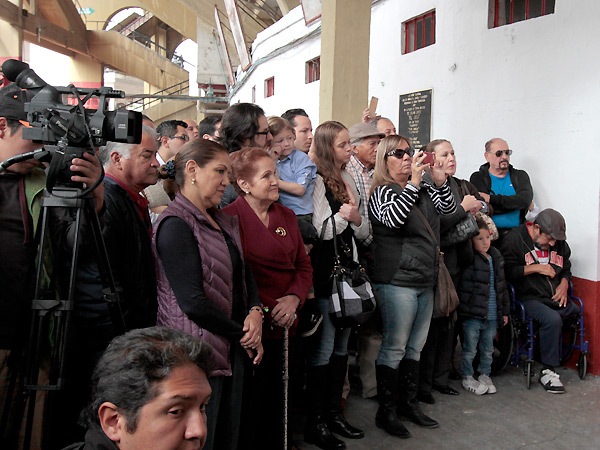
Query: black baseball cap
point(12, 102)
point(553, 223)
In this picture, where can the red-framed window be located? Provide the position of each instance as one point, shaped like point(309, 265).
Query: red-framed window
point(419, 32)
point(313, 70)
point(270, 87)
point(505, 12)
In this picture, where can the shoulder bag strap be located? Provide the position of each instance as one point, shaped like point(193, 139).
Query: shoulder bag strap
point(422, 217)
point(334, 230)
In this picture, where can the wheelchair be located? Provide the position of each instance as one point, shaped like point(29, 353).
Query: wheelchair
point(516, 343)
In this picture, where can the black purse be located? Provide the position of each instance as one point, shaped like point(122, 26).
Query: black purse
point(352, 301)
point(464, 230)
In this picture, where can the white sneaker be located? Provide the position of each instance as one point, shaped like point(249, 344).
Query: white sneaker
point(484, 379)
point(472, 385)
point(551, 382)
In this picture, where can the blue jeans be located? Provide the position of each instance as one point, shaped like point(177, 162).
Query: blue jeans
point(406, 315)
point(332, 341)
point(482, 332)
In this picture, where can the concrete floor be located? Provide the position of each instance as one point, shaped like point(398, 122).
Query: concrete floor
point(513, 418)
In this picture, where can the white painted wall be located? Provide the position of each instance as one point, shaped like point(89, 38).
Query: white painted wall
point(287, 68)
point(533, 83)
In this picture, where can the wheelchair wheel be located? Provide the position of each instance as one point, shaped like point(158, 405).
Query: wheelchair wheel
point(568, 341)
point(582, 365)
point(528, 373)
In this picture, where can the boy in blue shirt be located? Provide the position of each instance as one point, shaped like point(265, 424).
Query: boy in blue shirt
point(296, 171)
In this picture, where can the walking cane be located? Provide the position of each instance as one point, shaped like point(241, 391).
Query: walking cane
point(286, 377)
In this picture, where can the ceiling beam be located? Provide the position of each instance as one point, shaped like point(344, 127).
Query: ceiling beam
point(40, 31)
point(62, 13)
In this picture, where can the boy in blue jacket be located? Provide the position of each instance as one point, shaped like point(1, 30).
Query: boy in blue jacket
point(484, 305)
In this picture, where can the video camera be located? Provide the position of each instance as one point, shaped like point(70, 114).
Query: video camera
point(68, 131)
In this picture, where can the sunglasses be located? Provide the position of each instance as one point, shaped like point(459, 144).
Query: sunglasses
point(264, 133)
point(399, 153)
point(499, 153)
point(184, 138)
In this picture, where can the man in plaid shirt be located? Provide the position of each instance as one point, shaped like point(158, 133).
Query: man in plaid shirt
point(364, 139)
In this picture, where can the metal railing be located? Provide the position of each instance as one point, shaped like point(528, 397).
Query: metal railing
point(140, 104)
point(179, 91)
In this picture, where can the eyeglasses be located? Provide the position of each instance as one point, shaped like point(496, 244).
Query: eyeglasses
point(399, 152)
point(499, 153)
point(264, 133)
point(184, 138)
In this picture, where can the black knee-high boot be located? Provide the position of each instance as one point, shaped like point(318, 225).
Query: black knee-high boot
point(408, 404)
point(316, 431)
point(337, 423)
point(387, 387)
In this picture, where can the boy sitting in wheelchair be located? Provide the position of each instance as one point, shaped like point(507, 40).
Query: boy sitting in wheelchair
point(484, 306)
point(537, 263)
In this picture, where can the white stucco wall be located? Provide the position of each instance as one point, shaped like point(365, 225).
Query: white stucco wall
point(288, 68)
point(533, 83)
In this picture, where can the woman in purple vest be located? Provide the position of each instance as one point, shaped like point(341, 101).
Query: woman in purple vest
point(204, 285)
point(275, 252)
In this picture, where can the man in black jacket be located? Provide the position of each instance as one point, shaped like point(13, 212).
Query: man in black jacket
point(537, 263)
point(126, 229)
point(511, 195)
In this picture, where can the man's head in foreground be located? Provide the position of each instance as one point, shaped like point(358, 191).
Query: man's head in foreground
point(150, 390)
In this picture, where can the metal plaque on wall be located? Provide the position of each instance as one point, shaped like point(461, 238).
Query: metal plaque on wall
point(414, 118)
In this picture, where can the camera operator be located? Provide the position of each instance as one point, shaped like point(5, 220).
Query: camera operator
point(126, 229)
point(21, 187)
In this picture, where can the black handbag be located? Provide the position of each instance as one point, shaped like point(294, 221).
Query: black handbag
point(465, 229)
point(352, 299)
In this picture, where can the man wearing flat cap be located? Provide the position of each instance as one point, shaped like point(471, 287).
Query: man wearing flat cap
point(364, 139)
point(537, 262)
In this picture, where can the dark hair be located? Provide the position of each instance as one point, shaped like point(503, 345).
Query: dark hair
point(169, 128)
point(145, 117)
point(209, 125)
point(243, 165)
point(13, 125)
point(325, 135)
point(290, 115)
point(240, 122)
point(129, 372)
point(202, 151)
point(481, 224)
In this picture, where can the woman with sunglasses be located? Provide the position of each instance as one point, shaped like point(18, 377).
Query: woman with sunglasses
point(405, 256)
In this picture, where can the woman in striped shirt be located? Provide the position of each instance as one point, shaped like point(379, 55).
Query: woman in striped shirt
point(406, 262)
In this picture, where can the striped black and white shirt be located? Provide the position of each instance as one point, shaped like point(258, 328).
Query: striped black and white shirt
point(392, 209)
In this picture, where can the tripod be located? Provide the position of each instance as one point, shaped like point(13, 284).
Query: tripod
point(51, 316)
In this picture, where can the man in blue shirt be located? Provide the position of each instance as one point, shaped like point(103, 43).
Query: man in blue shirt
point(507, 189)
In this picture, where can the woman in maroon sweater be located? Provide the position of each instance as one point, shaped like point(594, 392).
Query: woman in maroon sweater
point(275, 252)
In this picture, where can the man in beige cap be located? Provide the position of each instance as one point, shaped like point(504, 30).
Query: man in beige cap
point(364, 139)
